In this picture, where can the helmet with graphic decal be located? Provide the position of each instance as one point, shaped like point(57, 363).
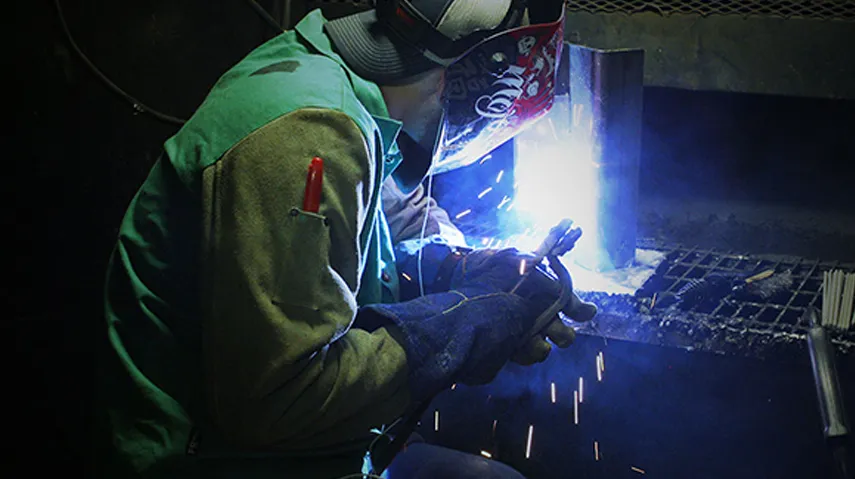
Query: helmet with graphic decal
point(497, 89)
point(500, 68)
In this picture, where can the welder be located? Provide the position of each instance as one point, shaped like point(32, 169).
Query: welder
point(262, 321)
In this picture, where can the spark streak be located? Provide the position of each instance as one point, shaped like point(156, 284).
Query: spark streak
point(581, 389)
point(406, 276)
point(528, 442)
point(495, 422)
point(576, 407)
point(499, 177)
point(552, 390)
point(596, 451)
point(485, 159)
point(436, 420)
point(486, 454)
point(454, 386)
point(522, 266)
point(462, 214)
point(481, 194)
point(602, 362)
point(504, 201)
point(635, 469)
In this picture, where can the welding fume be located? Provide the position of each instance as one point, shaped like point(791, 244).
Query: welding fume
point(327, 298)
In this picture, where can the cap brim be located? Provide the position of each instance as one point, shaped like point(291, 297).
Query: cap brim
point(371, 53)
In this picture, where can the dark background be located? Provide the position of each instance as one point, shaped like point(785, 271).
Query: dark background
point(78, 153)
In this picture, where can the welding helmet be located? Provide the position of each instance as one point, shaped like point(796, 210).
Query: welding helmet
point(497, 89)
point(400, 39)
point(500, 72)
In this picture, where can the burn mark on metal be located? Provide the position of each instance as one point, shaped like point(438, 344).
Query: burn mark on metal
point(737, 323)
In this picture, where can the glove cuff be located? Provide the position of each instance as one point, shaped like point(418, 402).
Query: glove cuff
point(453, 336)
point(446, 270)
point(439, 260)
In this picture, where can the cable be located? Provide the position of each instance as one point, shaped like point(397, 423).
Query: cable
point(266, 16)
point(424, 230)
point(136, 104)
point(430, 173)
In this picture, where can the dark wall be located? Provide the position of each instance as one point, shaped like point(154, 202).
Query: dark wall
point(791, 151)
point(79, 152)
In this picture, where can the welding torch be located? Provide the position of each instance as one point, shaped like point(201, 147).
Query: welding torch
point(560, 240)
point(829, 395)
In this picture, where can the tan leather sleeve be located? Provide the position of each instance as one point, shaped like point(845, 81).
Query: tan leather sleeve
point(284, 368)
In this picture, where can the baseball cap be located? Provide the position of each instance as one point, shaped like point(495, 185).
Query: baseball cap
point(400, 39)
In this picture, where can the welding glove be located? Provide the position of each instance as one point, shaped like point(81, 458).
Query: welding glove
point(444, 267)
point(424, 265)
point(539, 288)
point(466, 335)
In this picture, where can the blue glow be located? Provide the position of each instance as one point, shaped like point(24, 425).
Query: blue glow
point(557, 178)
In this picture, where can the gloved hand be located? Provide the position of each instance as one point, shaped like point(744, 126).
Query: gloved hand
point(465, 336)
point(504, 269)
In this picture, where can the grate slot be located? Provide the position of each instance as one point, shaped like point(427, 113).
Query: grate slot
point(755, 323)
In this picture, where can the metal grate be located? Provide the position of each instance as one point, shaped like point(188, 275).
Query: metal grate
point(731, 324)
point(820, 10)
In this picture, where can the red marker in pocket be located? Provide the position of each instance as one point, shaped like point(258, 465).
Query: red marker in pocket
point(314, 184)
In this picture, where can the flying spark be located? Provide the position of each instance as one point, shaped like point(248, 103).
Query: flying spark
point(581, 388)
point(495, 422)
point(528, 442)
point(599, 370)
point(481, 194)
point(462, 214)
point(596, 451)
point(602, 362)
point(635, 469)
point(499, 177)
point(454, 386)
point(576, 407)
point(485, 159)
point(504, 201)
point(436, 420)
point(522, 266)
point(486, 454)
point(406, 276)
point(509, 207)
point(552, 390)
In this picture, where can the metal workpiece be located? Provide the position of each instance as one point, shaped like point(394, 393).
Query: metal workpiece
point(743, 322)
point(825, 378)
point(606, 95)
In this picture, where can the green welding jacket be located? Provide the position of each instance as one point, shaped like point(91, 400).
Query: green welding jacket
point(229, 309)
